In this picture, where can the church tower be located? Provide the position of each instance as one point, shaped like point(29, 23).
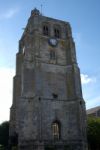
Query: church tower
point(48, 110)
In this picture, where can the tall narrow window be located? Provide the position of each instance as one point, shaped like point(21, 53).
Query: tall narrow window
point(23, 50)
point(52, 55)
point(45, 30)
point(56, 130)
point(56, 33)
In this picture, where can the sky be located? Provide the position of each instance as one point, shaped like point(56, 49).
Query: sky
point(84, 17)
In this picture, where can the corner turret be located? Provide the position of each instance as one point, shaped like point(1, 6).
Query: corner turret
point(35, 12)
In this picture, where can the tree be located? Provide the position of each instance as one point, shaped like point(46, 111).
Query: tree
point(93, 132)
point(4, 133)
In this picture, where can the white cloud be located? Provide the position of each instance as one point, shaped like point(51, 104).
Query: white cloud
point(93, 102)
point(6, 79)
point(9, 14)
point(86, 79)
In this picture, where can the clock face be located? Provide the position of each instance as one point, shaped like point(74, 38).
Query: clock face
point(52, 42)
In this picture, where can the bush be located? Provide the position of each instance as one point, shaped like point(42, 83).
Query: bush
point(4, 133)
point(93, 133)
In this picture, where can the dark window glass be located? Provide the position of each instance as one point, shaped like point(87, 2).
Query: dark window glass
point(45, 30)
point(52, 55)
point(57, 33)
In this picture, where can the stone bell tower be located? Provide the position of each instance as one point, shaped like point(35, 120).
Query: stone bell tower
point(48, 110)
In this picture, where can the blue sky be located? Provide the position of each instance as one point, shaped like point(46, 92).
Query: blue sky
point(85, 22)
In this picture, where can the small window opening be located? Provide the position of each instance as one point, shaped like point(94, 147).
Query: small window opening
point(52, 55)
point(56, 33)
point(39, 98)
point(23, 50)
point(55, 95)
point(56, 130)
point(80, 102)
point(45, 30)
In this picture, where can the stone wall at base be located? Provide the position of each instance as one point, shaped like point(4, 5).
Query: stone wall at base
point(74, 145)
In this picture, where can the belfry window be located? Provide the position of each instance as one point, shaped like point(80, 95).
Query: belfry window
point(52, 55)
point(56, 33)
point(56, 130)
point(45, 30)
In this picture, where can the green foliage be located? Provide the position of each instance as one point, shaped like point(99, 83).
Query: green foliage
point(14, 148)
point(4, 134)
point(93, 132)
point(2, 147)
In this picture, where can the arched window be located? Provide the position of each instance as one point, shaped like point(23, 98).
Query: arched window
point(45, 30)
point(56, 33)
point(52, 55)
point(56, 130)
